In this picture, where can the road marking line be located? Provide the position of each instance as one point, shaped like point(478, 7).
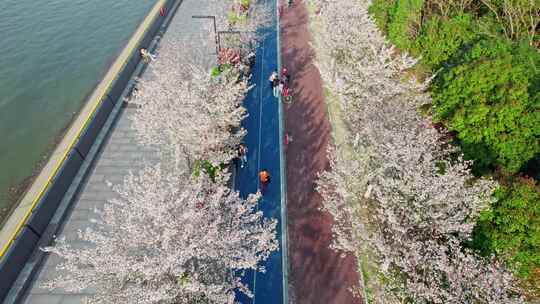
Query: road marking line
point(261, 88)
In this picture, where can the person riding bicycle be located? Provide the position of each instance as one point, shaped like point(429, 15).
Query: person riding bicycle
point(286, 92)
point(285, 74)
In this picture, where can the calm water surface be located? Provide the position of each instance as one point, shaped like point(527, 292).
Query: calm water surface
point(52, 55)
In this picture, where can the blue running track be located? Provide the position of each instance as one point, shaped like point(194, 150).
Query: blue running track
point(263, 142)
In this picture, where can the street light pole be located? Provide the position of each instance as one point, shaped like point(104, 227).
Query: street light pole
point(216, 33)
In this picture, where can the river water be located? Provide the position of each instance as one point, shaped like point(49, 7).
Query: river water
point(52, 55)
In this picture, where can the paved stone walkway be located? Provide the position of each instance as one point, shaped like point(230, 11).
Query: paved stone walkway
point(319, 275)
point(119, 155)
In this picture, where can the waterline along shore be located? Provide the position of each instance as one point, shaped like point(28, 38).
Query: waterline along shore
point(54, 57)
point(30, 218)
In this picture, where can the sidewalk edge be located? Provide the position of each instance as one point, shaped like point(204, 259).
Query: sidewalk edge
point(283, 174)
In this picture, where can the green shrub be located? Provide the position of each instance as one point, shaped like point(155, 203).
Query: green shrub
point(214, 72)
point(206, 167)
point(440, 39)
point(381, 12)
point(510, 228)
point(232, 17)
point(245, 3)
point(491, 98)
point(226, 67)
point(404, 23)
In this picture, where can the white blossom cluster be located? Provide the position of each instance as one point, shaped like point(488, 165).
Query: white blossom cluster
point(168, 239)
point(172, 237)
point(259, 15)
point(185, 113)
point(399, 187)
point(183, 110)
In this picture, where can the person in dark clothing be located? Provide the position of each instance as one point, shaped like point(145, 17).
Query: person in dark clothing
point(242, 154)
point(251, 59)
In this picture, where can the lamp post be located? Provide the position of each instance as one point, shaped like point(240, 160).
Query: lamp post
point(216, 33)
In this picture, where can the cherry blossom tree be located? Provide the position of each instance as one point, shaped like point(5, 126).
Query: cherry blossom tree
point(398, 188)
point(249, 23)
point(171, 237)
point(185, 112)
point(167, 239)
point(248, 18)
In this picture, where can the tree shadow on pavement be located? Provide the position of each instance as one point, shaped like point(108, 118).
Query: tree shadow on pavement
point(319, 274)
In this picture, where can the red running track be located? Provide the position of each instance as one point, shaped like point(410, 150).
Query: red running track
point(318, 275)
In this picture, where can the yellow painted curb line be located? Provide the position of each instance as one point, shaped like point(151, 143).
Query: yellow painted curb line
point(20, 215)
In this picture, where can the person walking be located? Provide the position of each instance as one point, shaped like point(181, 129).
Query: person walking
point(274, 82)
point(242, 154)
point(147, 56)
point(287, 139)
point(272, 78)
point(285, 75)
point(264, 179)
point(281, 85)
point(251, 59)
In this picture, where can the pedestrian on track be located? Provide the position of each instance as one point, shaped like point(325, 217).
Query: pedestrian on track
point(242, 154)
point(281, 86)
point(251, 59)
point(274, 82)
point(264, 179)
point(287, 139)
point(272, 78)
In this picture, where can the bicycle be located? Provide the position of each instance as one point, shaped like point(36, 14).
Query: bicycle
point(288, 100)
point(287, 97)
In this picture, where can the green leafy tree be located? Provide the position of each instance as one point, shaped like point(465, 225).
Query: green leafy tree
point(405, 23)
point(511, 227)
point(381, 11)
point(515, 19)
point(440, 38)
point(491, 98)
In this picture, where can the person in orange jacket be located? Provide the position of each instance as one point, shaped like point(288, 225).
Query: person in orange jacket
point(264, 179)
